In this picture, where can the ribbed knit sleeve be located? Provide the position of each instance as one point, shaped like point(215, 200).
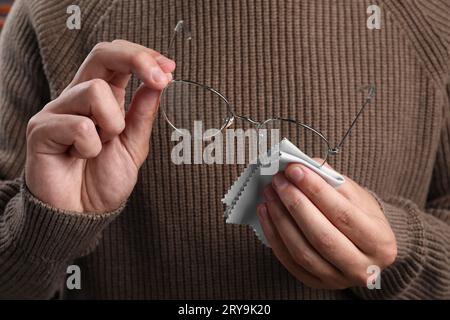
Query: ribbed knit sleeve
point(422, 267)
point(37, 242)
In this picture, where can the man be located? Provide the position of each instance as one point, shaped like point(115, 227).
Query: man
point(82, 184)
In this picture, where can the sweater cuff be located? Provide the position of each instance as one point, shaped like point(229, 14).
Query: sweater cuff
point(53, 235)
point(403, 216)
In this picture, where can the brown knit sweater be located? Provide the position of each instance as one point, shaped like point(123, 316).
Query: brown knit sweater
point(302, 59)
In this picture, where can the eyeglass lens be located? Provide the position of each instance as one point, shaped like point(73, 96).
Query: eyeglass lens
point(187, 106)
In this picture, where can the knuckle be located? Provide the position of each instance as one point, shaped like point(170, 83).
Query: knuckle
point(118, 126)
point(32, 124)
point(314, 188)
point(326, 243)
point(388, 254)
point(99, 48)
point(141, 58)
point(295, 204)
point(303, 258)
point(348, 192)
point(384, 250)
point(83, 127)
point(97, 87)
point(342, 217)
point(120, 42)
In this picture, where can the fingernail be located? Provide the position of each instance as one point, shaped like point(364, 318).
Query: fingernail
point(268, 193)
point(159, 76)
point(295, 174)
point(280, 181)
point(169, 76)
point(262, 211)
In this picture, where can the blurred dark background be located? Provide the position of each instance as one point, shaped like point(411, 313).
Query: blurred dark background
point(5, 6)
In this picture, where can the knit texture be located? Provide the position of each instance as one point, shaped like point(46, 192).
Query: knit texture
point(297, 59)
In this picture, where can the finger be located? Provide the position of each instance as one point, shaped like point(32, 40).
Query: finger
point(333, 245)
point(342, 213)
point(121, 80)
point(58, 134)
point(322, 161)
point(282, 253)
point(107, 60)
point(118, 83)
point(139, 122)
point(348, 189)
point(360, 196)
point(166, 64)
point(300, 250)
point(94, 99)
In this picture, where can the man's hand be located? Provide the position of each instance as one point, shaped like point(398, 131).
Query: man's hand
point(83, 151)
point(325, 237)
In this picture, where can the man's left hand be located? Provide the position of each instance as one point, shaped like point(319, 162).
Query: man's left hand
point(325, 237)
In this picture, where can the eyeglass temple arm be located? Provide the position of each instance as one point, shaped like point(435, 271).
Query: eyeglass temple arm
point(180, 27)
point(370, 95)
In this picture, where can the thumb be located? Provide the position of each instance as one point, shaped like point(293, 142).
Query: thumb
point(139, 122)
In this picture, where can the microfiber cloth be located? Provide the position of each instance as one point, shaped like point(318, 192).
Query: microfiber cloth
point(245, 194)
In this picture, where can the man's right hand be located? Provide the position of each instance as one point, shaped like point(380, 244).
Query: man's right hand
point(83, 151)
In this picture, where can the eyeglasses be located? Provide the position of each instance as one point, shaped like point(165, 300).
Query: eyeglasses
point(185, 102)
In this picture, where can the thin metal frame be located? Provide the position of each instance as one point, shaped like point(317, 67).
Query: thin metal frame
point(181, 27)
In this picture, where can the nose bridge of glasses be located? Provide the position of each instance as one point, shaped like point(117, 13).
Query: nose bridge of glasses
point(248, 119)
